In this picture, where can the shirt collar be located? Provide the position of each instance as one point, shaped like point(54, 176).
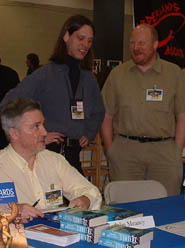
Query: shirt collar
point(18, 159)
point(156, 66)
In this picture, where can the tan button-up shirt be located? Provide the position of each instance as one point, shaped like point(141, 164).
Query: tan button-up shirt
point(124, 95)
point(49, 169)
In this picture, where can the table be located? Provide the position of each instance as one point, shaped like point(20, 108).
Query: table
point(165, 211)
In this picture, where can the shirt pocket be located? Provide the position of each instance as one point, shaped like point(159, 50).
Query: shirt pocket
point(159, 107)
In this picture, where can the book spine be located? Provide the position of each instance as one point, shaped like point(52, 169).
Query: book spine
point(113, 244)
point(83, 236)
point(71, 218)
point(125, 237)
point(86, 237)
point(76, 227)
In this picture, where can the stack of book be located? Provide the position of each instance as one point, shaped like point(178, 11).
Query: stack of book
point(124, 237)
point(91, 223)
point(51, 235)
point(88, 223)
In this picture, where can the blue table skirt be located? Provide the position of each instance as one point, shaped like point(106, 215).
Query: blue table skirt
point(165, 211)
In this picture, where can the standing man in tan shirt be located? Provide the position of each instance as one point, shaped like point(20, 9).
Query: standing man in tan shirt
point(144, 126)
point(39, 175)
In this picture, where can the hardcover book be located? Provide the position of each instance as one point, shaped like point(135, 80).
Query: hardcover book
point(115, 213)
point(90, 234)
point(12, 233)
point(126, 234)
point(116, 244)
point(51, 235)
point(83, 217)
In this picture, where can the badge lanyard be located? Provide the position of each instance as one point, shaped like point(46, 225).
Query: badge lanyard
point(76, 106)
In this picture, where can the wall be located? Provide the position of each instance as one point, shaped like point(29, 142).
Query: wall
point(84, 4)
point(109, 24)
point(128, 25)
point(29, 28)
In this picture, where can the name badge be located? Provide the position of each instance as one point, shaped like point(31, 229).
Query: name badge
point(53, 198)
point(77, 110)
point(154, 95)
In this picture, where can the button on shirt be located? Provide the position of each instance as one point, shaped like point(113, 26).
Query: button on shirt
point(49, 168)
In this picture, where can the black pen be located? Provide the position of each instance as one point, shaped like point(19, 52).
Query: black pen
point(35, 203)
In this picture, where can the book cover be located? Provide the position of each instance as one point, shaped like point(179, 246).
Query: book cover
point(51, 235)
point(12, 233)
point(90, 234)
point(115, 213)
point(83, 217)
point(126, 234)
point(116, 244)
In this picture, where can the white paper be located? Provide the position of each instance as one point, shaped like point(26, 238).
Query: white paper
point(184, 182)
point(144, 222)
point(175, 228)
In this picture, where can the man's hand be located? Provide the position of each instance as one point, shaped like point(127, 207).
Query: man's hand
point(83, 141)
point(106, 131)
point(27, 213)
point(80, 202)
point(54, 137)
point(180, 130)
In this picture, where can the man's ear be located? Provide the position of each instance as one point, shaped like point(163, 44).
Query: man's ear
point(13, 132)
point(66, 36)
point(156, 44)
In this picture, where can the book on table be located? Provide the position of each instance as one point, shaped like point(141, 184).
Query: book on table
point(96, 217)
point(89, 234)
point(116, 213)
point(12, 233)
point(90, 223)
point(83, 217)
point(116, 244)
point(51, 235)
point(127, 234)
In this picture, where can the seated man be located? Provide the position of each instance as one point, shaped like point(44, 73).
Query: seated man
point(36, 172)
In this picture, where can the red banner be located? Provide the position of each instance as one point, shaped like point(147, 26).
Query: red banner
point(168, 17)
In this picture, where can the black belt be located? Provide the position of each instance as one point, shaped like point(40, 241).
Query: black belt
point(144, 139)
point(71, 142)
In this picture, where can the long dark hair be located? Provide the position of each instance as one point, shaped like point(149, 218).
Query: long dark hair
point(71, 25)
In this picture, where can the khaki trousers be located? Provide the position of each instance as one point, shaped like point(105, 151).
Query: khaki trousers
point(160, 161)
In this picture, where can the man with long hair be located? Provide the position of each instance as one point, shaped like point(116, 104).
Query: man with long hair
point(68, 91)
